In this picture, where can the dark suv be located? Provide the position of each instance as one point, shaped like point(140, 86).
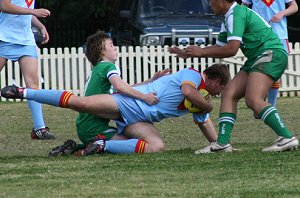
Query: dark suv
point(166, 22)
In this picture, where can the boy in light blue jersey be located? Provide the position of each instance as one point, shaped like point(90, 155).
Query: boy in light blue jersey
point(134, 117)
point(266, 62)
point(17, 44)
point(275, 13)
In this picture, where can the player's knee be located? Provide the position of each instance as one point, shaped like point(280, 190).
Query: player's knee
point(160, 147)
point(79, 104)
point(155, 146)
point(251, 101)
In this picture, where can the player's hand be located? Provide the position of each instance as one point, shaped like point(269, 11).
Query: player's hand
point(276, 18)
point(160, 73)
point(41, 12)
point(151, 98)
point(194, 51)
point(181, 53)
point(45, 35)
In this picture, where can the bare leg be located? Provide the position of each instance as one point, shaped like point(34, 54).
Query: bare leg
point(29, 67)
point(233, 92)
point(102, 105)
point(255, 95)
point(147, 132)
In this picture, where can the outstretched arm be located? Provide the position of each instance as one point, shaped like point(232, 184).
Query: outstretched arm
point(156, 76)
point(124, 88)
point(209, 130)
point(214, 51)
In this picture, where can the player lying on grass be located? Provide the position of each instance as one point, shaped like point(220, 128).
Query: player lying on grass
point(134, 117)
point(266, 62)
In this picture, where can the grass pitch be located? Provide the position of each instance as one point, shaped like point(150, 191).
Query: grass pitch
point(26, 171)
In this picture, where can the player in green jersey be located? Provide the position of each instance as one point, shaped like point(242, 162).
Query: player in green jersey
point(266, 61)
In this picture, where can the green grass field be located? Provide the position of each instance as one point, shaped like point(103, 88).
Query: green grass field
point(26, 171)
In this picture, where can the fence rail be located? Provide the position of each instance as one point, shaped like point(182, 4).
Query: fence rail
point(68, 68)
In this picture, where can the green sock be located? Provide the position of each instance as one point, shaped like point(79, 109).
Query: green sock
point(271, 117)
point(226, 122)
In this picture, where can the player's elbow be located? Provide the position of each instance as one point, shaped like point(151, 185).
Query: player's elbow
point(231, 52)
point(187, 91)
point(4, 8)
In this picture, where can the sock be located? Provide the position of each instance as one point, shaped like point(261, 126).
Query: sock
point(51, 97)
point(273, 93)
point(271, 117)
point(36, 114)
point(79, 146)
point(125, 146)
point(226, 122)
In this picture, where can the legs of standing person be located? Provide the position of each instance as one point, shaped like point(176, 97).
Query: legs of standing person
point(273, 93)
point(274, 90)
point(255, 100)
point(29, 67)
point(39, 131)
point(232, 93)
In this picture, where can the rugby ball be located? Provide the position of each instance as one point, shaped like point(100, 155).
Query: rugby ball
point(193, 108)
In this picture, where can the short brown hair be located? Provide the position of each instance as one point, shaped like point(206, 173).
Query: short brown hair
point(95, 45)
point(218, 71)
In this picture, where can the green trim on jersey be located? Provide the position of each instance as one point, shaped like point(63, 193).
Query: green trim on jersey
point(89, 126)
point(256, 36)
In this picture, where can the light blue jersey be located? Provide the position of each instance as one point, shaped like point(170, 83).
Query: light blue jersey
point(170, 103)
point(267, 9)
point(16, 29)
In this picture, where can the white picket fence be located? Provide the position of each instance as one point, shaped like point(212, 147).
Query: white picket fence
point(68, 69)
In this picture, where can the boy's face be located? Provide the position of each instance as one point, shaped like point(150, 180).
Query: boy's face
point(213, 86)
point(217, 6)
point(110, 53)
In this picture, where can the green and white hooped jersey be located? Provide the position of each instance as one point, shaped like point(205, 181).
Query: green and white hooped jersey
point(254, 33)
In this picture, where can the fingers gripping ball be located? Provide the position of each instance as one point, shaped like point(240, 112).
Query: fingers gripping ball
point(193, 108)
